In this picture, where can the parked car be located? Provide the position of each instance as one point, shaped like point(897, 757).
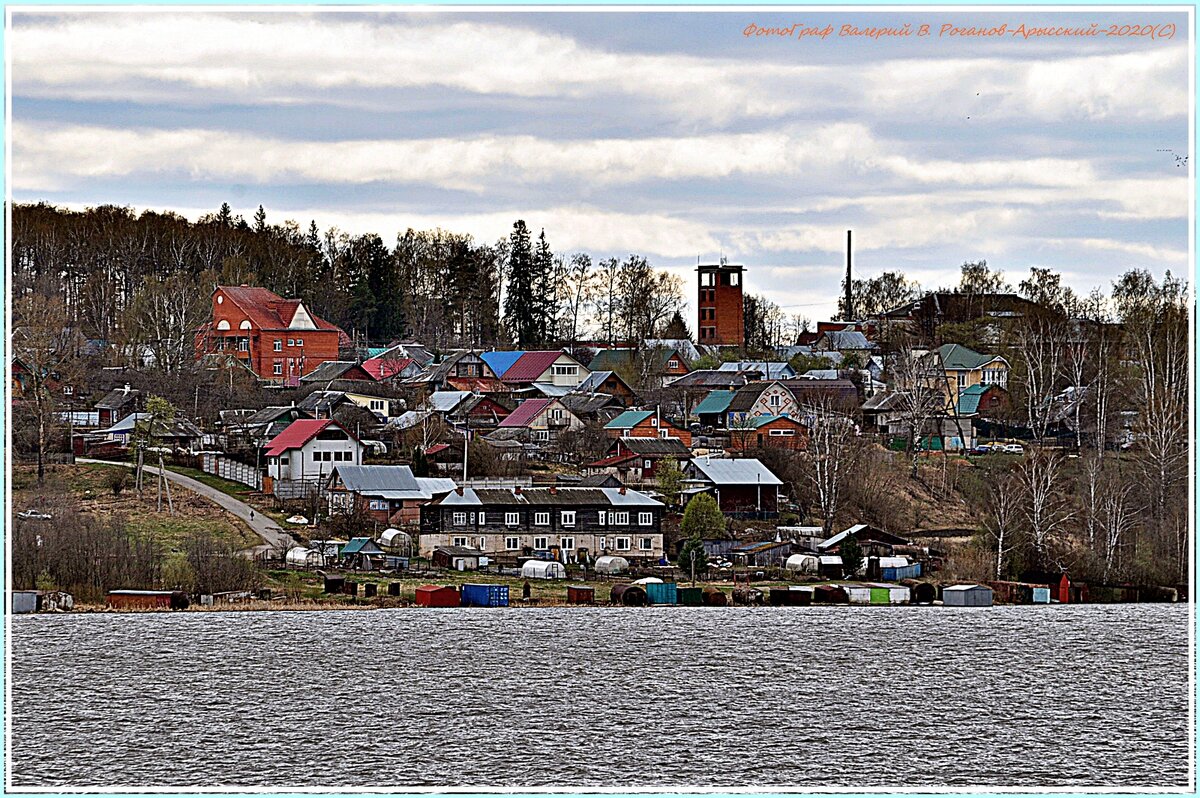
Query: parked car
point(1014, 448)
point(983, 448)
point(35, 515)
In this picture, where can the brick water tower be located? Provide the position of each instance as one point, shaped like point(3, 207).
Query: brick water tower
point(720, 304)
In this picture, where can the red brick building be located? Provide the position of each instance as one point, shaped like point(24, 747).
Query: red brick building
point(720, 305)
point(279, 339)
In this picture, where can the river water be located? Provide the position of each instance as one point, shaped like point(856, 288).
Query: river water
point(611, 697)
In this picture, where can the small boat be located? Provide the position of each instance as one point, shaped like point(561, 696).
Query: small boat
point(297, 519)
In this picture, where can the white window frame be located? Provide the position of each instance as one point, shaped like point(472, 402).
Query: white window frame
point(672, 364)
point(664, 433)
point(512, 519)
point(621, 544)
point(482, 522)
point(541, 519)
point(603, 518)
point(566, 544)
point(603, 544)
point(299, 342)
point(646, 544)
point(647, 465)
point(379, 504)
point(291, 342)
point(460, 540)
point(460, 519)
point(621, 519)
point(645, 519)
point(277, 369)
point(541, 543)
point(541, 434)
point(278, 344)
point(512, 543)
point(567, 518)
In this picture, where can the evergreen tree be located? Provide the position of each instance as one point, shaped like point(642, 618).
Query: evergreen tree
point(225, 215)
point(677, 328)
point(260, 220)
point(692, 558)
point(852, 557)
point(420, 464)
point(545, 290)
point(520, 302)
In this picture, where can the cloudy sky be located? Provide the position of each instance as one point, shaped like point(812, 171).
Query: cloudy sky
point(672, 135)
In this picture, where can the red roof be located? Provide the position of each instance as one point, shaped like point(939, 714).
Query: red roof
point(531, 365)
point(525, 412)
point(477, 384)
point(268, 310)
point(613, 460)
point(437, 447)
point(298, 433)
point(382, 369)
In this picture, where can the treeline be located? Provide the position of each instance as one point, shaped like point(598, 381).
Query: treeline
point(144, 281)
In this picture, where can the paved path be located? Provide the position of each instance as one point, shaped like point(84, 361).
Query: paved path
point(274, 538)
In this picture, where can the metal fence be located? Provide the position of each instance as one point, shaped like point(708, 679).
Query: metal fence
point(232, 470)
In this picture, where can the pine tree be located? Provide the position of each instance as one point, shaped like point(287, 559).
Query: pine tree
point(225, 215)
point(545, 293)
point(520, 301)
point(260, 220)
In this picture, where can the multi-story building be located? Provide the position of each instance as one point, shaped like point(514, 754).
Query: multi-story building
point(567, 524)
point(279, 339)
point(720, 305)
point(309, 449)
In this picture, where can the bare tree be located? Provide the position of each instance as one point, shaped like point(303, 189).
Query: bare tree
point(43, 344)
point(1046, 506)
point(923, 395)
point(832, 453)
point(1038, 348)
point(1003, 518)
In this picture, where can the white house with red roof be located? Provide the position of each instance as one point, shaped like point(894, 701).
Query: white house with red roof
point(279, 339)
point(553, 367)
point(546, 418)
point(310, 448)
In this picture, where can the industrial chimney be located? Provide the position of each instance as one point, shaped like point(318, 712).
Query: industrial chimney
point(849, 284)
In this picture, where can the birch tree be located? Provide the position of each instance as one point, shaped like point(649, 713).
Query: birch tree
point(831, 457)
point(43, 343)
point(1046, 506)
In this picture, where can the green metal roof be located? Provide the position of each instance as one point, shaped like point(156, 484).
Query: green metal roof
point(714, 402)
point(629, 419)
point(758, 421)
point(957, 356)
point(968, 399)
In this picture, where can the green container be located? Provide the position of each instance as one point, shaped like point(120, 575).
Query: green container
point(692, 596)
point(661, 593)
point(881, 595)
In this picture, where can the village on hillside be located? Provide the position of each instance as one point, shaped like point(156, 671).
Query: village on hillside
point(572, 440)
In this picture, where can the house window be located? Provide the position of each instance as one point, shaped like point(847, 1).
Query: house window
point(646, 544)
point(646, 465)
point(376, 404)
point(774, 400)
point(283, 461)
point(645, 519)
point(472, 519)
point(567, 544)
point(706, 278)
point(277, 368)
point(603, 544)
point(568, 518)
point(566, 371)
point(603, 519)
point(512, 544)
point(541, 544)
point(299, 342)
point(622, 544)
point(541, 519)
point(462, 541)
point(664, 433)
point(68, 390)
point(291, 342)
point(481, 521)
point(621, 519)
point(377, 504)
point(482, 543)
point(672, 364)
point(541, 434)
point(460, 519)
point(278, 345)
point(962, 380)
point(512, 519)
point(733, 278)
point(244, 345)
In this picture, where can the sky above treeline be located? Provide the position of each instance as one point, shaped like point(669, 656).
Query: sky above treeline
point(672, 135)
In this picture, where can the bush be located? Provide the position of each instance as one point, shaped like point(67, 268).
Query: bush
point(116, 480)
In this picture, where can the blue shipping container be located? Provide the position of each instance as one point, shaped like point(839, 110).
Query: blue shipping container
point(485, 595)
point(664, 593)
point(1041, 595)
point(896, 574)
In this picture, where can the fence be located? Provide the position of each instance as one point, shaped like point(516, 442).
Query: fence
point(232, 470)
point(293, 489)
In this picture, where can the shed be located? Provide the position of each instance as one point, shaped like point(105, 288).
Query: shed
point(581, 594)
point(148, 599)
point(305, 558)
point(24, 601)
point(967, 596)
point(805, 563)
point(459, 558)
point(609, 564)
point(437, 596)
point(690, 596)
point(830, 594)
point(543, 569)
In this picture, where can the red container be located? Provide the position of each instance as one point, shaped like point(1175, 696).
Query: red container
point(147, 599)
point(437, 596)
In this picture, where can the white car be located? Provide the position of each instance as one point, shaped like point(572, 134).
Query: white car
point(1013, 448)
point(36, 515)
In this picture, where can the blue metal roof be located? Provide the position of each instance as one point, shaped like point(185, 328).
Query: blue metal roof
point(500, 362)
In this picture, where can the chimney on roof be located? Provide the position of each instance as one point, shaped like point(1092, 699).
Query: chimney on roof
point(517, 490)
point(553, 490)
point(621, 490)
point(126, 389)
point(244, 285)
point(459, 490)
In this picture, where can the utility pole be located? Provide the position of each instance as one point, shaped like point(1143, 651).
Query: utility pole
point(849, 293)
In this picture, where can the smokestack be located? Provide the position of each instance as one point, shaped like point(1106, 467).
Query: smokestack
point(849, 293)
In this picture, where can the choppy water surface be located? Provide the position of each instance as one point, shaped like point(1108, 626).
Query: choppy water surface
point(733, 697)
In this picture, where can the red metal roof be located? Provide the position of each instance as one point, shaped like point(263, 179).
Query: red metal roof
point(613, 460)
point(531, 365)
point(382, 369)
point(437, 447)
point(477, 384)
point(298, 433)
point(525, 412)
point(269, 311)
